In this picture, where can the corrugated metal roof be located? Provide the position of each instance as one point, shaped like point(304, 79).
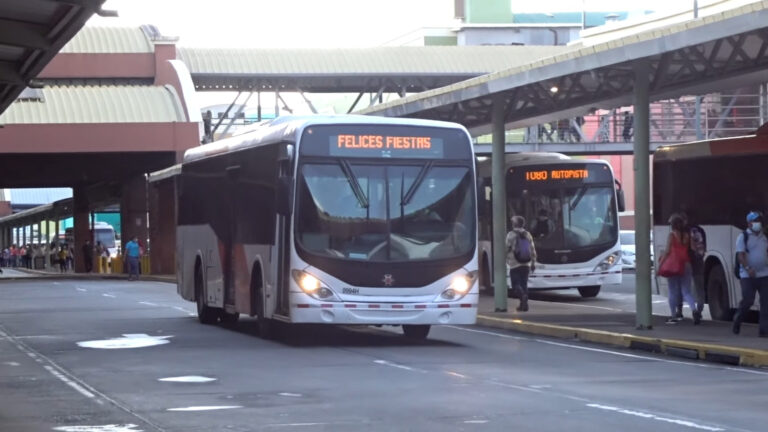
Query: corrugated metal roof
point(94, 104)
point(432, 60)
point(38, 196)
point(113, 40)
point(438, 97)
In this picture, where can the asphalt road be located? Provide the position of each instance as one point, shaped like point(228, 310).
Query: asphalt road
point(56, 373)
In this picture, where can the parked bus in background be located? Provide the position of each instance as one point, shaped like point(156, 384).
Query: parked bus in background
point(331, 219)
point(715, 183)
point(571, 209)
point(102, 232)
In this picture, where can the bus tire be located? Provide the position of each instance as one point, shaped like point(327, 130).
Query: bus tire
point(717, 294)
point(229, 318)
point(486, 284)
point(266, 327)
point(205, 313)
point(589, 291)
point(416, 332)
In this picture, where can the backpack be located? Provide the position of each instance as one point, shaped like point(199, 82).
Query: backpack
point(736, 263)
point(522, 248)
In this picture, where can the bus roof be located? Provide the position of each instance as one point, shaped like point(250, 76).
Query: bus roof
point(288, 128)
point(749, 144)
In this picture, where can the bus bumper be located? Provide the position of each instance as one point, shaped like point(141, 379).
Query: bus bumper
point(564, 280)
point(305, 309)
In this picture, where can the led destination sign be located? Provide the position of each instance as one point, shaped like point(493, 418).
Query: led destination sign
point(551, 175)
point(385, 146)
point(556, 174)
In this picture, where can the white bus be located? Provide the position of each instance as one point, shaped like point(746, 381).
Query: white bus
point(332, 219)
point(716, 183)
point(571, 208)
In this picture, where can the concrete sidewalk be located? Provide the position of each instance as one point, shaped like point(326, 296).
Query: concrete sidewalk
point(711, 341)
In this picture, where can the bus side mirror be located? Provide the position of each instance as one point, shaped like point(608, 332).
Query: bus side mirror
point(284, 196)
point(620, 200)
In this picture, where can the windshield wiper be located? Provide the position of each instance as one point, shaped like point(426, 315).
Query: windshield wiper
point(416, 183)
point(353, 183)
point(578, 198)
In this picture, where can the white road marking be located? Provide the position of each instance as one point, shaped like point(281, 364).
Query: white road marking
point(543, 386)
point(295, 424)
point(395, 365)
point(11, 364)
point(456, 374)
point(103, 428)
point(148, 303)
point(606, 351)
point(82, 289)
point(99, 397)
point(686, 423)
point(501, 335)
point(109, 295)
point(179, 308)
point(296, 395)
point(206, 408)
point(188, 379)
point(69, 382)
point(56, 283)
point(475, 421)
point(139, 340)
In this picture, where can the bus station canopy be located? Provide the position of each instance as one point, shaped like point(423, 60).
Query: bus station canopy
point(721, 50)
point(31, 33)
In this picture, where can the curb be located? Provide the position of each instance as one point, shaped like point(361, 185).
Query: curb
point(37, 275)
point(678, 348)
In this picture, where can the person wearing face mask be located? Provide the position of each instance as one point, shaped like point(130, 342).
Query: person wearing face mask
point(752, 253)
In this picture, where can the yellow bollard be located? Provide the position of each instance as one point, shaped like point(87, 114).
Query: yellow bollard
point(117, 264)
point(144, 262)
point(99, 269)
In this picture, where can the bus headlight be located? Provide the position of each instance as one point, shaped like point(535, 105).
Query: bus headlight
point(312, 286)
point(460, 286)
point(608, 262)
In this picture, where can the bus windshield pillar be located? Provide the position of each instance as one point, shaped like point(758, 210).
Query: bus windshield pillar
point(642, 197)
point(499, 198)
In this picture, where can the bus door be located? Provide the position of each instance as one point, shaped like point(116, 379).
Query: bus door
point(228, 270)
point(284, 203)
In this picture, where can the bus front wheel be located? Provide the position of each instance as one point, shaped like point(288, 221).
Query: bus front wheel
point(717, 295)
point(589, 291)
point(416, 332)
point(205, 313)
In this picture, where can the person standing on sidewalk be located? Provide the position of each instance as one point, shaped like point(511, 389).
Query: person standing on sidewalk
point(521, 259)
point(88, 256)
point(132, 255)
point(678, 269)
point(752, 254)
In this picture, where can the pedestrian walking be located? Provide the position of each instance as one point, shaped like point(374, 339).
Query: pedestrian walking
point(675, 265)
point(521, 259)
point(63, 259)
point(132, 254)
point(626, 131)
point(752, 259)
point(88, 256)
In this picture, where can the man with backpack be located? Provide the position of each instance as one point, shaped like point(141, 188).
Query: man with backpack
point(752, 261)
point(521, 259)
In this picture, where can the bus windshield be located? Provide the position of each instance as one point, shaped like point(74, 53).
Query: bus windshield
point(569, 209)
point(367, 211)
point(569, 217)
point(106, 236)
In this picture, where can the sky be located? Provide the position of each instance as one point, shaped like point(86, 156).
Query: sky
point(320, 23)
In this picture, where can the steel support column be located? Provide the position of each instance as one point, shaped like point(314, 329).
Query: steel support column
point(499, 197)
point(642, 196)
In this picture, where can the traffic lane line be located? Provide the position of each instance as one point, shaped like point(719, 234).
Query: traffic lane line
point(548, 391)
point(608, 351)
point(710, 352)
